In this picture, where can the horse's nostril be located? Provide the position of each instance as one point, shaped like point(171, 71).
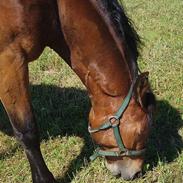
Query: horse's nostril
point(118, 175)
point(137, 175)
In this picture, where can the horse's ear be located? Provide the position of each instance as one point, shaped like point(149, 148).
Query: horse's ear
point(143, 93)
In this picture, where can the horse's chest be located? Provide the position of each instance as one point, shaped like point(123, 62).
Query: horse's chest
point(21, 27)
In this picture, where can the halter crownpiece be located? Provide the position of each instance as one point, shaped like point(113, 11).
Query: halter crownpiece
point(114, 123)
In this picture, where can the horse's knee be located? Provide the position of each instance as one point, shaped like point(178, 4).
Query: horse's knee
point(28, 135)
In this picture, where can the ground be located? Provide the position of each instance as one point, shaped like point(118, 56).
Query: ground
point(61, 106)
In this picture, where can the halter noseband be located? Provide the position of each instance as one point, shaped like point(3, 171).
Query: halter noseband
point(114, 122)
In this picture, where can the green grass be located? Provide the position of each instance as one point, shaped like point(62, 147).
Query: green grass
point(61, 106)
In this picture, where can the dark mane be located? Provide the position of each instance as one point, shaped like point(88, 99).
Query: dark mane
point(123, 26)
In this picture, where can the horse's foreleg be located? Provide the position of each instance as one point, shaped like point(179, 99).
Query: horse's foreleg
point(15, 97)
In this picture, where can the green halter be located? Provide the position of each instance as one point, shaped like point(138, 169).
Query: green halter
point(114, 122)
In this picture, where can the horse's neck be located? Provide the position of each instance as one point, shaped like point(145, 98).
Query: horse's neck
point(95, 56)
point(103, 71)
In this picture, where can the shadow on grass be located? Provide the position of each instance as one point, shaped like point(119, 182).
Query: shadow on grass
point(64, 112)
point(165, 142)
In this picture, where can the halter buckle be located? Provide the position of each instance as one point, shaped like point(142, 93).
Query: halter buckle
point(114, 121)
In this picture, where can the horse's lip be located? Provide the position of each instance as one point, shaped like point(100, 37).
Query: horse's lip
point(137, 175)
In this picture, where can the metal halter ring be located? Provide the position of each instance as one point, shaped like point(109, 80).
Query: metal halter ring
point(114, 121)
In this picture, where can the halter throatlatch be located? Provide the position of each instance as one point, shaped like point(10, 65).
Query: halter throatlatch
point(114, 122)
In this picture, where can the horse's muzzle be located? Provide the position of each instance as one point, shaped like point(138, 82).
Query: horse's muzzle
point(128, 169)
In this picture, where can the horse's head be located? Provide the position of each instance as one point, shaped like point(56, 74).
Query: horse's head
point(122, 137)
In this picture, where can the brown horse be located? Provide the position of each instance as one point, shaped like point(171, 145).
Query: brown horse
point(97, 40)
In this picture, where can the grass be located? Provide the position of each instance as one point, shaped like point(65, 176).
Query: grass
point(61, 106)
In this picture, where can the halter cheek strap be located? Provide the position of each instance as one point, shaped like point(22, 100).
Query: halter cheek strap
point(114, 122)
